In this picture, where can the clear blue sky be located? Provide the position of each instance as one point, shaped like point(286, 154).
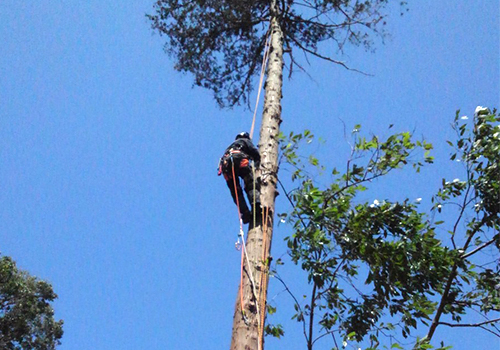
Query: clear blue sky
point(108, 185)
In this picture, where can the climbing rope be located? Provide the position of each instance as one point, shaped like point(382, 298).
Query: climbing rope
point(260, 315)
point(265, 59)
point(244, 254)
point(264, 273)
point(254, 291)
point(260, 324)
point(241, 230)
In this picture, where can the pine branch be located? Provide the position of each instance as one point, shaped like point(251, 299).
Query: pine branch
point(326, 58)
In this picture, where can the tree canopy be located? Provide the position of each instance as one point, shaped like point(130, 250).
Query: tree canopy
point(26, 316)
point(380, 269)
point(222, 42)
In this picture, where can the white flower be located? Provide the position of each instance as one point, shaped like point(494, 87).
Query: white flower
point(464, 117)
point(480, 110)
point(282, 220)
point(376, 202)
point(439, 206)
point(344, 343)
point(418, 200)
point(456, 180)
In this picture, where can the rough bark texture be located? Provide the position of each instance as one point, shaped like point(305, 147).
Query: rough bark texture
point(248, 325)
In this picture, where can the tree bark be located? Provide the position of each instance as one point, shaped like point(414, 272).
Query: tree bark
point(248, 323)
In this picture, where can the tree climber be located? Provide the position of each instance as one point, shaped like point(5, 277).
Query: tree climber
point(237, 158)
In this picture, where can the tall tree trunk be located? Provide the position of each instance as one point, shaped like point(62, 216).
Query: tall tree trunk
point(248, 322)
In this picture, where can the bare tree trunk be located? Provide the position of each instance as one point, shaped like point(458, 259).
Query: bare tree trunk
point(248, 322)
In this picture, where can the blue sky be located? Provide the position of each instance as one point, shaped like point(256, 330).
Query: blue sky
point(108, 185)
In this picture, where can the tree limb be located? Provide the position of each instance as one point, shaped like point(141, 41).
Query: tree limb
point(326, 58)
point(482, 246)
point(311, 317)
point(453, 274)
point(469, 324)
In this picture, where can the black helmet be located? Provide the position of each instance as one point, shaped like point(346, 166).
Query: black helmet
point(242, 135)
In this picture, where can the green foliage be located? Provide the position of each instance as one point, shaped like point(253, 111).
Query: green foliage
point(222, 42)
point(26, 317)
point(275, 331)
point(478, 199)
point(479, 193)
point(372, 262)
point(479, 149)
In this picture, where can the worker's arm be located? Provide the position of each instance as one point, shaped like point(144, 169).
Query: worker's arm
point(253, 152)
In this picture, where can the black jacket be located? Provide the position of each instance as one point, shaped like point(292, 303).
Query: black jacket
point(246, 147)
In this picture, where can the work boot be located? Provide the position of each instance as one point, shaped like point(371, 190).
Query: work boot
point(258, 210)
point(245, 217)
point(258, 214)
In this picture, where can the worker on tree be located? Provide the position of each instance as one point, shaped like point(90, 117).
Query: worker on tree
point(236, 159)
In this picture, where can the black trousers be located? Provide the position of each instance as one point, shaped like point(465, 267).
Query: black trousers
point(242, 170)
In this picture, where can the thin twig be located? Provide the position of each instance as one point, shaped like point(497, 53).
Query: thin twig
point(324, 335)
point(291, 202)
point(296, 303)
point(326, 58)
point(462, 210)
point(482, 246)
point(469, 324)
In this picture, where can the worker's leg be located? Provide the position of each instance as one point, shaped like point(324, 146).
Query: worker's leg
point(245, 213)
point(248, 180)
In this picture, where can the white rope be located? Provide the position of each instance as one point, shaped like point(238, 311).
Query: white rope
point(262, 71)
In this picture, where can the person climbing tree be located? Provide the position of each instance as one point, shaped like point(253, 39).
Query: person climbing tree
point(235, 163)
